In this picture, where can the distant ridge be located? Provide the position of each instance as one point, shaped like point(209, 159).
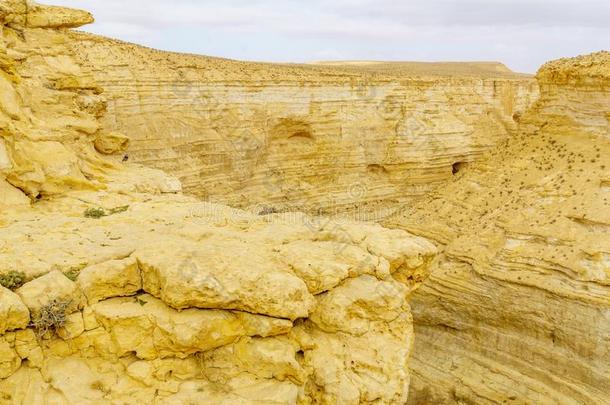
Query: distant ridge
point(441, 68)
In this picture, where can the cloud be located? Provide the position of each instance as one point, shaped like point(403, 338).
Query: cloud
point(514, 13)
point(521, 33)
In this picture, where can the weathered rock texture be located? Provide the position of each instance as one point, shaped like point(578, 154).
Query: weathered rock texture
point(178, 301)
point(314, 138)
point(518, 307)
point(49, 110)
point(157, 297)
point(137, 294)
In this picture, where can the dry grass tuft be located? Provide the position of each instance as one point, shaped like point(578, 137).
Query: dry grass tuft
point(52, 316)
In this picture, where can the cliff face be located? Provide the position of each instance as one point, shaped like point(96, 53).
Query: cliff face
point(122, 289)
point(517, 309)
point(116, 288)
point(316, 138)
point(49, 111)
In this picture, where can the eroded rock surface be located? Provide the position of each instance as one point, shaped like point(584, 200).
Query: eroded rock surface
point(517, 309)
point(166, 299)
point(136, 294)
point(185, 296)
point(49, 113)
point(313, 138)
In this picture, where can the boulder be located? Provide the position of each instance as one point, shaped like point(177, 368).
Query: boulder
point(147, 327)
point(110, 143)
point(52, 287)
point(115, 278)
point(223, 273)
point(13, 312)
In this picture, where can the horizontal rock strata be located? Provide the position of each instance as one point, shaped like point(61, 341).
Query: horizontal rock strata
point(313, 138)
point(517, 309)
point(118, 289)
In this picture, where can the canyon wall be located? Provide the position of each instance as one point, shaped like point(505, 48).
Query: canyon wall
point(314, 138)
point(116, 288)
point(122, 289)
point(517, 309)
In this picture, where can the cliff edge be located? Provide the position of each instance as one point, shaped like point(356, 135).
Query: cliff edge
point(116, 288)
point(520, 292)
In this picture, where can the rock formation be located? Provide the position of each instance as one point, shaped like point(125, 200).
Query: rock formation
point(517, 309)
point(177, 301)
point(49, 111)
point(313, 138)
point(116, 288)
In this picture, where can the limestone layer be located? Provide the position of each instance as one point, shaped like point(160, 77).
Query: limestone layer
point(116, 288)
point(517, 309)
point(313, 138)
point(176, 301)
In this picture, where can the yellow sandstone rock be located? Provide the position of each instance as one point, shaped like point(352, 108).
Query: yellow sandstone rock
point(178, 301)
point(226, 274)
point(44, 290)
point(114, 278)
point(111, 143)
point(13, 313)
point(73, 327)
point(9, 359)
point(229, 283)
point(31, 15)
point(360, 321)
point(517, 305)
point(11, 196)
point(313, 138)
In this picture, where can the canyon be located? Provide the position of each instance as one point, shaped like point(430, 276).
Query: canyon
point(314, 138)
point(202, 230)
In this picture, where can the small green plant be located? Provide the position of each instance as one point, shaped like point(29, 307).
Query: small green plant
point(99, 386)
point(51, 317)
point(95, 213)
point(140, 301)
point(100, 212)
point(12, 280)
point(72, 274)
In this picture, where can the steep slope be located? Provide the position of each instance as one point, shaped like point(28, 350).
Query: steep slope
point(314, 138)
point(116, 288)
point(518, 307)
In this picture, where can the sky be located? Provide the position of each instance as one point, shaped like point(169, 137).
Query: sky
point(523, 34)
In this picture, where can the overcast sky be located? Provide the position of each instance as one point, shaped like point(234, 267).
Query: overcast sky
point(521, 33)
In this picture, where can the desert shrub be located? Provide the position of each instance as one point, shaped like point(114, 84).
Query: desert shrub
point(51, 317)
point(72, 274)
point(95, 213)
point(12, 280)
point(100, 212)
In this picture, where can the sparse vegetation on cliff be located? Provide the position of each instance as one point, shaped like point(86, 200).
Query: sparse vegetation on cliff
point(12, 280)
point(52, 317)
point(98, 212)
